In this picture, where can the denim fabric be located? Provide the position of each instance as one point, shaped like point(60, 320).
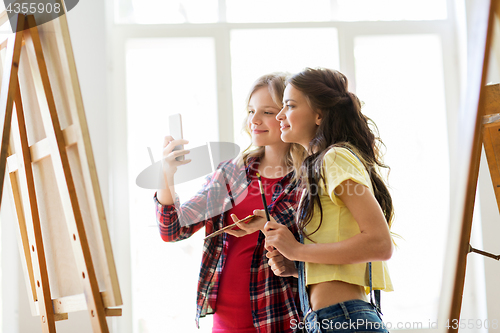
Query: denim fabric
point(346, 317)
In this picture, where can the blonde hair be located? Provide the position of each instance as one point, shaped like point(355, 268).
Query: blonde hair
point(275, 83)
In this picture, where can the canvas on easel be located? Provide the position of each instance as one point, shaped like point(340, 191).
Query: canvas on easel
point(46, 157)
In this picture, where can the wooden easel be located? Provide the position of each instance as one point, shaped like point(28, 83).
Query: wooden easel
point(18, 158)
point(487, 133)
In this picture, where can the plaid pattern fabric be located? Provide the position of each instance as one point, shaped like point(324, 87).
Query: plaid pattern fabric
point(274, 299)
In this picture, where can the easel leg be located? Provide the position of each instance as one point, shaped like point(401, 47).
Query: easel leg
point(37, 249)
point(8, 93)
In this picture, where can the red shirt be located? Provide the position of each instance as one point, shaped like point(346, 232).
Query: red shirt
point(233, 311)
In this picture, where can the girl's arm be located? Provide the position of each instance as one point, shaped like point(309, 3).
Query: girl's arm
point(178, 222)
point(373, 243)
point(172, 219)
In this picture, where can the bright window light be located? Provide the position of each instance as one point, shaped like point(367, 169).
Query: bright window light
point(167, 11)
point(400, 80)
point(389, 10)
point(277, 10)
point(166, 76)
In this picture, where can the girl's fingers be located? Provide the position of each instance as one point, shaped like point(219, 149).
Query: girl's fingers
point(236, 233)
point(170, 157)
point(269, 248)
point(277, 267)
point(271, 225)
point(262, 213)
point(169, 143)
point(236, 220)
point(276, 261)
point(276, 271)
point(259, 213)
point(273, 253)
point(178, 153)
point(167, 140)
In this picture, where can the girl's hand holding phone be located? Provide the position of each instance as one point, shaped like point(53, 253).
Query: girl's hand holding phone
point(169, 155)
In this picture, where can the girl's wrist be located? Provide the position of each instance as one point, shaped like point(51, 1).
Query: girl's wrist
point(295, 273)
point(298, 252)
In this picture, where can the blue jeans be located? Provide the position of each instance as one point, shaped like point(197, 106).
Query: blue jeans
point(347, 317)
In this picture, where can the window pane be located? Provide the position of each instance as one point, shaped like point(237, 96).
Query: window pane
point(389, 10)
point(258, 52)
point(400, 80)
point(167, 11)
point(277, 10)
point(166, 76)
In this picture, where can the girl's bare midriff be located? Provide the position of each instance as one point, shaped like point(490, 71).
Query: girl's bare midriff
point(328, 293)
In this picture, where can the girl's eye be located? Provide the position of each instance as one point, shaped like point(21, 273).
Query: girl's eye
point(289, 106)
point(268, 112)
point(251, 111)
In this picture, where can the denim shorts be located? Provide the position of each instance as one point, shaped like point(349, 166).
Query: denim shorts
point(346, 317)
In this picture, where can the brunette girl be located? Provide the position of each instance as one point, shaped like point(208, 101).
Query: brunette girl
point(345, 211)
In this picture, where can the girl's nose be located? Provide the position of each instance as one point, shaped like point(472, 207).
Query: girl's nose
point(281, 115)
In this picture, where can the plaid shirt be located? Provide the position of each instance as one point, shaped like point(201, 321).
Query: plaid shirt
point(274, 300)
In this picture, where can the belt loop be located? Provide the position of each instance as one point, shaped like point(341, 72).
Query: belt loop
point(307, 314)
point(344, 309)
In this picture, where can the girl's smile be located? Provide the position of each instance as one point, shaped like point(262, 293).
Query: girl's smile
point(298, 121)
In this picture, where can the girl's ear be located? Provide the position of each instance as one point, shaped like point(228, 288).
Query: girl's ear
point(319, 117)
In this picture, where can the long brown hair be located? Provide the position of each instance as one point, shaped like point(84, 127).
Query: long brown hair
point(275, 83)
point(342, 125)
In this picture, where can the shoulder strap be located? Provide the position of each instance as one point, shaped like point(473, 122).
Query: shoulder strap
point(376, 302)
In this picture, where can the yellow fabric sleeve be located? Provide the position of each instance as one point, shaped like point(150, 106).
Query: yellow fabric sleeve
point(339, 165)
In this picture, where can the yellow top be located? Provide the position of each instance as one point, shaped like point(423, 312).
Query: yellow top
point(338, 224)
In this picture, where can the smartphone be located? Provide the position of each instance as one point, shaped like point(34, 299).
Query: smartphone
point(175, 124)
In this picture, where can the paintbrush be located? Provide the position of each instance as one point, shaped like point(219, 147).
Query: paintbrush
point(220, 231)
point(263, 197)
